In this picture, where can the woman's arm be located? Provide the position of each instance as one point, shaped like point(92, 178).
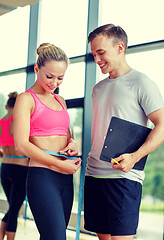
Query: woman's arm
point(72, 148)
point(1, 152)
point(22, 111)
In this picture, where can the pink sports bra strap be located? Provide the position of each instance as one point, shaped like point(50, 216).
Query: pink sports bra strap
point(46, 121)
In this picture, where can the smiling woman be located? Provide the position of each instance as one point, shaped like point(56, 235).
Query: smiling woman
point(41, 128)
point(51, 74)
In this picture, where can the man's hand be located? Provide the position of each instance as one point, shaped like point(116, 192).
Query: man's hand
point(126, 162)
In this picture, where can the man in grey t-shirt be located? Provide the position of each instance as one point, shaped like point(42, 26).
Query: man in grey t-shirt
point(112, 192)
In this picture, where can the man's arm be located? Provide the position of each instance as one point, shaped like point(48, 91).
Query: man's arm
point(153, 141)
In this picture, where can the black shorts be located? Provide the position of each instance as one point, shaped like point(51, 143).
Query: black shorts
point(111, 206)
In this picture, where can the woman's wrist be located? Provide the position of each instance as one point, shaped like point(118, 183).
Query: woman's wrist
point(70, 140)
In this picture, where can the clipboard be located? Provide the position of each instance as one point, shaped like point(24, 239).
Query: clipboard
point(124, 137)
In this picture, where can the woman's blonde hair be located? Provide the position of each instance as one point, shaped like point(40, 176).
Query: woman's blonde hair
point(47, 52)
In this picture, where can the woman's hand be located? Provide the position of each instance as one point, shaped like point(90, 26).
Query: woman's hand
point(69, 166)
point(71, 149)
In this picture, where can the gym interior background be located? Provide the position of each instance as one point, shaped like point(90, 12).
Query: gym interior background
point(65, 23)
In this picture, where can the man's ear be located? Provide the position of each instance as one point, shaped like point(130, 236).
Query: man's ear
point(36, 69)
point(121, 47)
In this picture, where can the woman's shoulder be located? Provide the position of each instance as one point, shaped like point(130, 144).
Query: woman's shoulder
point(61, 99)
point(24, 96)
point(25, 99)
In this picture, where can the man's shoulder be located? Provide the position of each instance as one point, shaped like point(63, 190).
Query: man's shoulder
point(101, 82)
point(140, 79)
point(139, 75)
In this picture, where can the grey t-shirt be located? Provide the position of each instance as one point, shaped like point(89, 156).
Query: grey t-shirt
point(131, 97)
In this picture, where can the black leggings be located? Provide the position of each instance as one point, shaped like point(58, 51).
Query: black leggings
point(13, 179)
point(50, 196)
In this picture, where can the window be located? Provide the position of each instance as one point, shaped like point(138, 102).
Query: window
point(76, 117)
point(14, 39)
point(74, 80)
point(142, 20)
point(76, 125)
point(64, 23)
point(151, 63)
point(11, 83)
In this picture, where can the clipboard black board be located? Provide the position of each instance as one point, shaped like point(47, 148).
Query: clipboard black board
point(124, 137)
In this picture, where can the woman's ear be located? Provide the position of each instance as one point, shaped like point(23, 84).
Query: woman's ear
point(36, 69)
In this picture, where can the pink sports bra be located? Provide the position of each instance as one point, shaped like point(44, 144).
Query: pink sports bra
point(46, 121)
point(5, 138)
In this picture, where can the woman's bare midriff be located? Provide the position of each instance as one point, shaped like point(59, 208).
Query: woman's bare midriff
point(51, 143)
point(10, 150)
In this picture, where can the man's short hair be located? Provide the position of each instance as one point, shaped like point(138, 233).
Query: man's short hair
point(111, 31)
